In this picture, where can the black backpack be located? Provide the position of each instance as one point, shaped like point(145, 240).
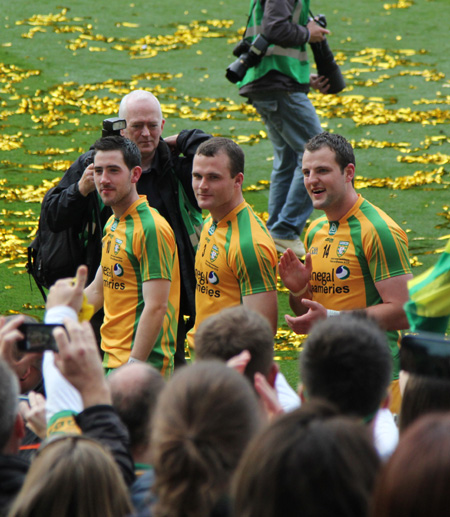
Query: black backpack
point(54, 255)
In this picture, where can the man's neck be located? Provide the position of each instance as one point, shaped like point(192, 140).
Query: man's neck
point(222, 212)
point(147, 161)
point(120, 209)
point(339, 212)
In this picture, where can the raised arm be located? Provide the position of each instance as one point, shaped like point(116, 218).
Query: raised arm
point(295, 277)
point(70, 196)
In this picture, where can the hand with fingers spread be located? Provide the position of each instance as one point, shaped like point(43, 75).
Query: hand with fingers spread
point(79, 361)
point(293, 273)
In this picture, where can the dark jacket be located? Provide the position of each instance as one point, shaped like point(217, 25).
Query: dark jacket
point(99, 422)
point(13, 470)
point(103, 424)
point(67, 208)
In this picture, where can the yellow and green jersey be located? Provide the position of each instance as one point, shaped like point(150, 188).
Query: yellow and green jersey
point(428, 307)
point(138, 247)
point(236, 257)
point(350, 255)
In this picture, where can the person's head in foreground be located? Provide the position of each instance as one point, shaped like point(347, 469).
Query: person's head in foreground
point(346, 360)
point(72, 476)
point(204, 419)
point(414, 482)
point(309, 463)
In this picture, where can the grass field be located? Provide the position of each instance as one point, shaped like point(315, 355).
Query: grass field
point(65, 68)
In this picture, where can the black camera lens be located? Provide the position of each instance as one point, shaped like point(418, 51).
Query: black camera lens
point(237, 70)
point(256, 51)
point(327, 66)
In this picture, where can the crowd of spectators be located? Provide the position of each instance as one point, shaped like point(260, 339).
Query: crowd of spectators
point(216, 439)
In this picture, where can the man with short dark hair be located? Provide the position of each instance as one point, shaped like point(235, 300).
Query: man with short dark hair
point(231, 331)
point(166, 181)
point(137, 282)
point(346, 361)
point(227, 333)
point(236, 261)
point(357, 255)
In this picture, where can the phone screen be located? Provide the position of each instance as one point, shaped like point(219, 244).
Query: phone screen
point(38, 337)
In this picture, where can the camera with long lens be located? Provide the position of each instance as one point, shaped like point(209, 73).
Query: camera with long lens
point(248, 55)
point(325, 62)
point(113, 126)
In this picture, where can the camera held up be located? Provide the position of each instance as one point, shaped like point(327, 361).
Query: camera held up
point(325, 62)
point(248, 55)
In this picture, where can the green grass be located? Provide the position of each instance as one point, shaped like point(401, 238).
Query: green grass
point(59, 82)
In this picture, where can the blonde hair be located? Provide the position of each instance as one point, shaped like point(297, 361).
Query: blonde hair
point(72, 476)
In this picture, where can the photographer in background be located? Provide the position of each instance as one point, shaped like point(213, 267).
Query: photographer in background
point(277, 87)
point(165, 180)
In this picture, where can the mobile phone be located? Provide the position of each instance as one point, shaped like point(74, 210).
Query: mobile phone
point(37, 337)
point(426, 354)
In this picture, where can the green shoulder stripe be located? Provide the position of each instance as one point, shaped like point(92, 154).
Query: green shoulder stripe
point(315, 226)
point(254, 275)
point(356, 236)
point(390, 257)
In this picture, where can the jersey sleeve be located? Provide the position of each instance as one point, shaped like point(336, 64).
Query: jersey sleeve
point(388, 252)
point(156, 249)
point(255, 260)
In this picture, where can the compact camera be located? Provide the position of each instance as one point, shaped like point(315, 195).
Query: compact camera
point(38, 337)
point(325, 62)
point(113, 126)
point(248, 55)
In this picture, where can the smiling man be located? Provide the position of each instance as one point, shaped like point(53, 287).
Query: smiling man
point(166, 181)
point(357, 255)
point(137, 282)
point(236, 260)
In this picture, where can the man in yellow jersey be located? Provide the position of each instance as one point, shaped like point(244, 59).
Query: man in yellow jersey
point(138, 281)
point(166, 181)
point(357, 255)
point(236, 260)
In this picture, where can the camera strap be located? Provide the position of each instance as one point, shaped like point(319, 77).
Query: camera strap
point(249, 17)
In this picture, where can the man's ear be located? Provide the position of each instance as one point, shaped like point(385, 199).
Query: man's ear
point(239, 179)
point(349, 172)
point(271, 378)
point(136, 174)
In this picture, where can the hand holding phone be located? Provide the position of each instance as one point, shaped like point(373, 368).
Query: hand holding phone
point(37, 337)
